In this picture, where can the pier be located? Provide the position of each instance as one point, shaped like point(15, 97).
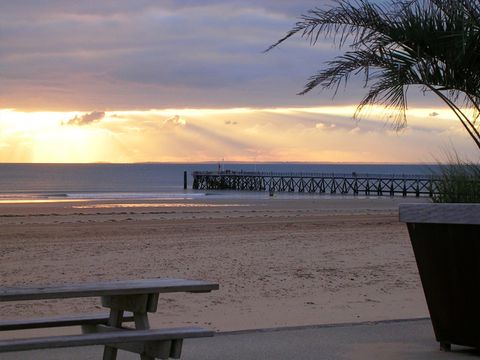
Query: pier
point(320, 183)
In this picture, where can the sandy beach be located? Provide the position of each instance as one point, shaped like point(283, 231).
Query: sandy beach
point(279, 261)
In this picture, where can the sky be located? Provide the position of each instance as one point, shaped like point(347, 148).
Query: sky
point(188, 81)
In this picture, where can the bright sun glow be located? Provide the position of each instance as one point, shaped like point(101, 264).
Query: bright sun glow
point(239, 134)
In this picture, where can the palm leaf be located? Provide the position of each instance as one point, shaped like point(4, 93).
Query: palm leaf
point(396, 44)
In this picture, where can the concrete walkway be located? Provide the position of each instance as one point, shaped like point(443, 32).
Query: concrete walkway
point(393, 340)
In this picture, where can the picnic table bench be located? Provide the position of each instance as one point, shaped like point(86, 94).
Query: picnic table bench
point(137, 297)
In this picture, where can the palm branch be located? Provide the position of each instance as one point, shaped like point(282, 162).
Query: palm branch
point(431, 43)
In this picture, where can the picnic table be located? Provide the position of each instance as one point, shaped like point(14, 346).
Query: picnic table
point(137, 297)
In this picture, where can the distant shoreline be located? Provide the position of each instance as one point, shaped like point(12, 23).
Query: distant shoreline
point(215, 162)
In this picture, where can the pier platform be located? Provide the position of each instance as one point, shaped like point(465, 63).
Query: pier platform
point(321, 183)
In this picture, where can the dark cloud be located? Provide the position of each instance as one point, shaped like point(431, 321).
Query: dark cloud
point(108, 8)
point(154, 54)
point(87, 119)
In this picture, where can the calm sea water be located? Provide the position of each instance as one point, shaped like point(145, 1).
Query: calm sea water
point(157, 181)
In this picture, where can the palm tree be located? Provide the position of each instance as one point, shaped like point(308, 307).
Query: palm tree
point(434, 44)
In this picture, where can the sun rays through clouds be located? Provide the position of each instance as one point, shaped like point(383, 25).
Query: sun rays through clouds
point(312, 134)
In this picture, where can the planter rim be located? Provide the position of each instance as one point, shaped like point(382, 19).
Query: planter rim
point(444, 213)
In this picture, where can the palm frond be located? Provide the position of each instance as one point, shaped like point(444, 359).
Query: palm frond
point(396, 44)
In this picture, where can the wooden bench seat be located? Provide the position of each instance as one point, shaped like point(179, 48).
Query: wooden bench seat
point(94, 319)
point(171, 337)
point(132, 287)
point(139, 297)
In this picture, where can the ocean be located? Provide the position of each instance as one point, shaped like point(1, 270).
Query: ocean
point(150, 181)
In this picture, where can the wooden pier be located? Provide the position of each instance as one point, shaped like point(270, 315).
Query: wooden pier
point(320, 183)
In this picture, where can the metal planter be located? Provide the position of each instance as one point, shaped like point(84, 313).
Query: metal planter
point(446, 243)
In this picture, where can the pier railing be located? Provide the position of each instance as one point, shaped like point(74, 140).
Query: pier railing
point(321, 183)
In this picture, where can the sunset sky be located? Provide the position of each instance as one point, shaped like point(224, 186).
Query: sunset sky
point(187, 81)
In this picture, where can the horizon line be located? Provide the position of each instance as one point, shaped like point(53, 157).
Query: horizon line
point(221, 162)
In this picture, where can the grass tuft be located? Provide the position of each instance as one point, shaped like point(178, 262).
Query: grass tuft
point(459, 182)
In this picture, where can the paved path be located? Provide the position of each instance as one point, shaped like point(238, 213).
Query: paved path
point(392, 340)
